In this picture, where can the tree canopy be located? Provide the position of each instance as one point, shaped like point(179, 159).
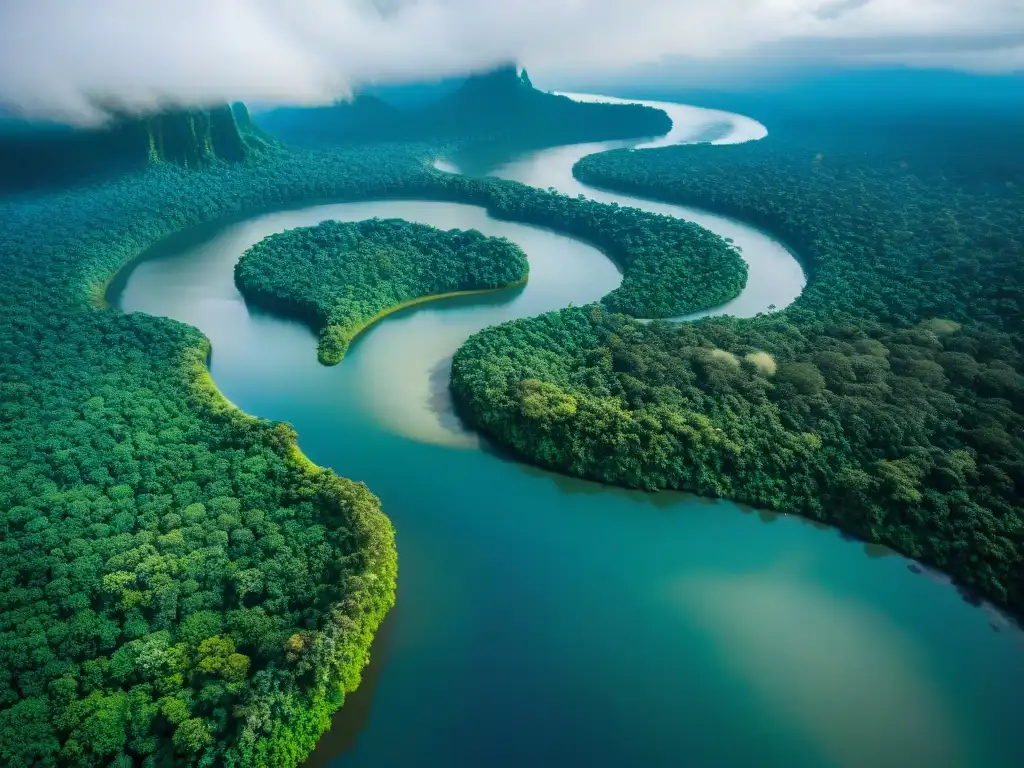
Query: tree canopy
point(342, 276)
point(178, 585)
point(888, 399)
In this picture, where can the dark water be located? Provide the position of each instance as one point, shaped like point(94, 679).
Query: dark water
point(548, 621)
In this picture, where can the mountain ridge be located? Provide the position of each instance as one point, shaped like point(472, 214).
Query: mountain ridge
point(499, 105)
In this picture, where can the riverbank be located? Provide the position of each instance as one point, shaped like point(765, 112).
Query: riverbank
point(350, 335)
point(499, 561)
point(341, 277)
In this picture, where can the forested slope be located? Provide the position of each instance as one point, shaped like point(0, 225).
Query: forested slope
point(498, 107)
point(342, 276)
point(887, 399)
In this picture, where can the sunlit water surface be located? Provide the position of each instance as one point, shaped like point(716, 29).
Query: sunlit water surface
point(548, 621)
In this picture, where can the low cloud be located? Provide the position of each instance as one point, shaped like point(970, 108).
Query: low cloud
point(60, 58)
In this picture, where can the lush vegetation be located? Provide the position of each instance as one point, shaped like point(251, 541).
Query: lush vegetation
point(178, 585)
point(341, 277)
point(670, 266)
point(888, 399)
point(497, 107)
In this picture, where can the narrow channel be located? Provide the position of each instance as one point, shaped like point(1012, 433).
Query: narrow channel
point(548, 621)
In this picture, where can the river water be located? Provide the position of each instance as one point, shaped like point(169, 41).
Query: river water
point(547, 621)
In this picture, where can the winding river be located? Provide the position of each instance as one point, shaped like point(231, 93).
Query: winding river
point(548, 621)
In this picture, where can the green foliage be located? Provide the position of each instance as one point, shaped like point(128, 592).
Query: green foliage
point(158, 548)
point(141, 515)
point(178, 585)
point(341, 277)
point(192, 736)
point(888, 399)
point(669, 266)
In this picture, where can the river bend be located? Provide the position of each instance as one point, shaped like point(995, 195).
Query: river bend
point(543, 620)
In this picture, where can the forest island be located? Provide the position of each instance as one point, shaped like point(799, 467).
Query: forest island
point(341, 278)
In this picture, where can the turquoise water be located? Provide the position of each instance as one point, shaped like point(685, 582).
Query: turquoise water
point(548, 621)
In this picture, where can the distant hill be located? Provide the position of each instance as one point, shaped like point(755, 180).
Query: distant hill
point(500, 105)
point(919, 114)
point(36, 156)
point(413, 95)
point(364, 118)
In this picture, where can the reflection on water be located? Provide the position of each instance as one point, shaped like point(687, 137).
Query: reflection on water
point(575, 486)
point(878, 550)
point(344, 732)
point(836, 669)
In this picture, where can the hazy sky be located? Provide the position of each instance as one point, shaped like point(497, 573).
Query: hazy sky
point(58, 56)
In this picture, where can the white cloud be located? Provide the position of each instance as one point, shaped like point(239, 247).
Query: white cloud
point(58, 56)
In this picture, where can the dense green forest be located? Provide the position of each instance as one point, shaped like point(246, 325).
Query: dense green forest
point(497, 107)
point(670, 266)
point(178, 585)
point(342, 276)
point(888, 399)
point(34, 157)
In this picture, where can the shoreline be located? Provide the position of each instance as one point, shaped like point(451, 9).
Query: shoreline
point(365, 325)
point(376, 527)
